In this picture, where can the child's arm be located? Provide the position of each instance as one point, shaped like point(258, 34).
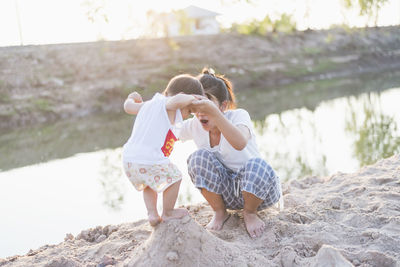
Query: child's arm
point(133, 103)
point(179, 101)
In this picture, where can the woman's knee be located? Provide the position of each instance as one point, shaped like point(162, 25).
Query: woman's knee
point(199, 157)
point(255, 164)
point(203, 168)
point(260, 180)
point(259, 166)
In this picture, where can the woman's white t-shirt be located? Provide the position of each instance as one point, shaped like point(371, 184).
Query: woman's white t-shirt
point(229, 156)
point(152, 137)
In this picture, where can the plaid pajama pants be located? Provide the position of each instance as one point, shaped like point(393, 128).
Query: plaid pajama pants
point(255, 177)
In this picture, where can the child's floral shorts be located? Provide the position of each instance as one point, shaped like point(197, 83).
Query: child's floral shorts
point(158, 176)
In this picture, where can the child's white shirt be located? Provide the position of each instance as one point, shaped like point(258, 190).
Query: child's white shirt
point(152, 137)
point(229, 156)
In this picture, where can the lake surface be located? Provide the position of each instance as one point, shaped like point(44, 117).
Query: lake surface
point(66, 177)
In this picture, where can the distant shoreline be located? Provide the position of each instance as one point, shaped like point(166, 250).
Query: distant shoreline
point(45, 83)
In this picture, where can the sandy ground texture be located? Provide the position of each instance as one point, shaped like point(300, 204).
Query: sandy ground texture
point(341, 220)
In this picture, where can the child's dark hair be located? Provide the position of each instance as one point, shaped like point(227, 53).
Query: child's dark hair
point(218, 86)
point(184, 83)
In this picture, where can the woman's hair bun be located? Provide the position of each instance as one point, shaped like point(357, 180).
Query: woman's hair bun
point(208, 71)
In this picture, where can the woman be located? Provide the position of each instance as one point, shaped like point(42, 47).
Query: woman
point(227, 167)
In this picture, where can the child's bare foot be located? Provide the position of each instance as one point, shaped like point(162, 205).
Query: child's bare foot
point(254, 225)
point(218, 220)
point(154, 219)
point(174, 214)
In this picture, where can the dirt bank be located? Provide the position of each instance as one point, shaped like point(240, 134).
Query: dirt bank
point(46, 83)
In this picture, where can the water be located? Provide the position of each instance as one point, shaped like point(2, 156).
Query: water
point(343, 135)
point(66, 177)
point(40, 203)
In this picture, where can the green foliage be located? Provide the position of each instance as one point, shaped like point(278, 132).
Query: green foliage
point(157, 85)
point(345, 27)
point(4, 97)
point(376, 139)
point(312, 50)
point(170, 70)
point(119, 92)
point(303, 167)
point(329, 38)
point(295, 71)
point(42, 104)
point(284, 24)
point(324, 65)
point(113, 189)
point(173, 44)
point(184, 22)
point(95, 10)
point(366, 7)
point(375, 136)
point(126, 89)
point(159, 23)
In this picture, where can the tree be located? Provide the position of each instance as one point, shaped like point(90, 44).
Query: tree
point(367, 7)
point(283, 24)
point(184, 22)
point(19, 22)
point(157, 24)
point(97, 14)
point(96, 10)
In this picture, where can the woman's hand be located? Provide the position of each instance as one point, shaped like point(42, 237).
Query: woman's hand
point(203, 105)
point(237, 136)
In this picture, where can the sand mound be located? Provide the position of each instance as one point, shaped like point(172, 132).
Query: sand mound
point(342, 220)
point(185, 243)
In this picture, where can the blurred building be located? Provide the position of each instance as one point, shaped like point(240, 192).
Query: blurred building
point(193, 20)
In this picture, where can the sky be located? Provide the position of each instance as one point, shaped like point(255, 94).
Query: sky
point(65, 21)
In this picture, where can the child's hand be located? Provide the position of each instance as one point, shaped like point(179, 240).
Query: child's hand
point(180, 100)
point(136, 97)
point(133, 107)
point(199, 97)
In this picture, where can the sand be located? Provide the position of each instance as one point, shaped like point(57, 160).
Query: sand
point(341, 220)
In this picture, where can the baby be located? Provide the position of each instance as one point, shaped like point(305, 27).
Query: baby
point(145, 154)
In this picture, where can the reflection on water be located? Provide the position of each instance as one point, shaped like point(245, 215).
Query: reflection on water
point(43, 202)
point(300, 131)
point(113, 191)
point(63, 139)
point(67, 137)
point(111, 173)
point(309, 95)
point(376, 134)
point(292, 143)
point(339, 135)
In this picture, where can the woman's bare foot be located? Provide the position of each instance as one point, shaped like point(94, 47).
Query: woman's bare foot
point(254, 225)
point(174, 214)
point(154, 219)
point(218, 220)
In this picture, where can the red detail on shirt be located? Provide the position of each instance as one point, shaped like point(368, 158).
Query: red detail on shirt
point(169, 143)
